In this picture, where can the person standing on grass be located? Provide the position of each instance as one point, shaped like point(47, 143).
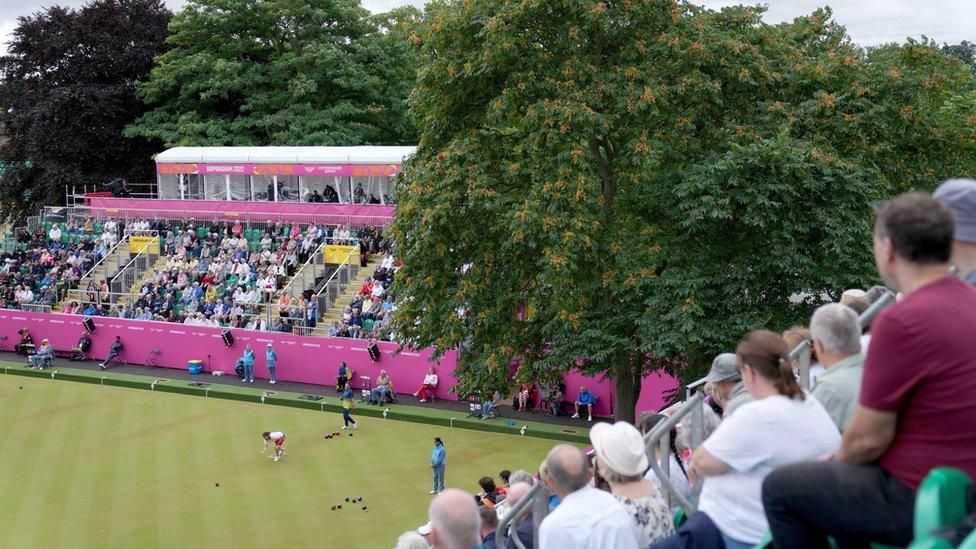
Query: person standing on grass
point(347, 406)
point(272, 358)
point(248, 361)
point(438, 459)
point(279, 443)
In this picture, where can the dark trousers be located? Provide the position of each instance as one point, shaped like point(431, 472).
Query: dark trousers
point(854, 504)
point(346, 418)
point(698, 532)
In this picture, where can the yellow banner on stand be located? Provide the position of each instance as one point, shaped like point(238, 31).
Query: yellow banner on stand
point(139, 244)
point(338, 255)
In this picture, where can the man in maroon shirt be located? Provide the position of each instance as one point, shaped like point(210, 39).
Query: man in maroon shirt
point(917, 401)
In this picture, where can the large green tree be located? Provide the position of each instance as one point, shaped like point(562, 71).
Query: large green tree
point(67, 89)
point(646, 180)
point(281, 72)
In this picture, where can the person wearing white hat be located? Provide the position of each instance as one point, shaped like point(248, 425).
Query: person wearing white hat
point(272, 359)
point(621, 460)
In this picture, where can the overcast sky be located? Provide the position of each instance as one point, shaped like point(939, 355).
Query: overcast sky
point(869, 22)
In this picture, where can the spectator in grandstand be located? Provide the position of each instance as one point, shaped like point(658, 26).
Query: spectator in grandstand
point(960, 196)
point(836, 335)
point(454, 521)
point(621, 459)
point(426, 390)
point(729, 391)
point(585, 398)
point(113, 353)
point(329, 195)
point(438, 462)
point(917, 399)
point(793, 337)
point(677, 463)
point(489, 492)
point(779, 427)
point(586, 517)
point(522, 528)
point(55, 234)
point(489, 523)
point(503, 476)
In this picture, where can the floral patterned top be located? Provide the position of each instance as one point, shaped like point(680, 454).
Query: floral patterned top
point(652, 516)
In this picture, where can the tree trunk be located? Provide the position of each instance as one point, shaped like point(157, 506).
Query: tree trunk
point(626, 387)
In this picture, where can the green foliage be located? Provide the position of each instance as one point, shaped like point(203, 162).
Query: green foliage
point(651, 178)
point(965, 51)
point(66, 91)
point(282, 72)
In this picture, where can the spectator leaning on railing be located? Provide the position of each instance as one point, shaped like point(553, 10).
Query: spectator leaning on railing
point(836, 335)
point(728, 390)
point(917, 399)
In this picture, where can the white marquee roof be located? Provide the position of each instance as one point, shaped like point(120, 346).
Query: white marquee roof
point(285, 155)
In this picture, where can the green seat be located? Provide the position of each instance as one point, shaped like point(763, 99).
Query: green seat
point(680, 517)
point(201, 232)
point(968, 543)
point(368, 325)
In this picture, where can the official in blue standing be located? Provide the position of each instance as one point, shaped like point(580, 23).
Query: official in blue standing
point(272, 358)
point(438, 459)
point(248, 360)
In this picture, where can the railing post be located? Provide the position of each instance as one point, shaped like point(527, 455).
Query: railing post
point(804, 364)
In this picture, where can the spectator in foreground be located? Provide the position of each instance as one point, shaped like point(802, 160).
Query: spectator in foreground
point(586, 517)
point(793, 337)
point(917, 400)
point(780, 426)
point(522, 528)
point(587, 399)
point(411, 540)
point(489, 523)
point(454, 521)
point(729, 392)
point(519, 476)
point(622, 460)
point(488, 496)
point(504, 476)
point(677, 468)
point(836, 335)
point(960, 196)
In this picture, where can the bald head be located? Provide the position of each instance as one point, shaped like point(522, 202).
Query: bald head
point(566, 469)
point(454, 520)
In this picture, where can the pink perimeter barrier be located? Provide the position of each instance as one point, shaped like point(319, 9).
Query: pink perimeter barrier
point(242, 210)
point(300, 358)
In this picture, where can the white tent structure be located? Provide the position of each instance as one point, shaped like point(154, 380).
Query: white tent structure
point(285, 174)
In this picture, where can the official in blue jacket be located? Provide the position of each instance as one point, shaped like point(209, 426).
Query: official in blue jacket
point(438, 459)
point(248, 360)
point(272, 357)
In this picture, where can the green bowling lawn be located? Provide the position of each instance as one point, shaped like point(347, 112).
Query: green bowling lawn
point(84, 465)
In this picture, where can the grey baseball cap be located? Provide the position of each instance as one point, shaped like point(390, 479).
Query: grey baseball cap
point(725, 367)
point(960, 196)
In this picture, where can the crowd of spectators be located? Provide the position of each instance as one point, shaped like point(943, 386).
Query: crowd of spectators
point(838, 464)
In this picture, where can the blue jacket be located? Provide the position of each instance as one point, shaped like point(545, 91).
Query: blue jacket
point(272, 358)
point(248, 357)
point(586, 397)
point(438, 456)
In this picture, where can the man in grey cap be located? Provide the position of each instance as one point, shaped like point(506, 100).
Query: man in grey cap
point(728, 390)
point(960, 196)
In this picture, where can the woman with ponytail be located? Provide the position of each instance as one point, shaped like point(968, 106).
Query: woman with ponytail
point(779, 427)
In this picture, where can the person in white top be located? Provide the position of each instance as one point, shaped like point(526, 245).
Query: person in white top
point(387, 261)
point(426, 390)
point(781, 426)
point(54, 234)
point(586, 518)
point(279, 443)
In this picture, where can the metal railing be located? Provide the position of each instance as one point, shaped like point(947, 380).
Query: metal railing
point(659, 436)
point(36, 307)
point(135, 268)
point(336, 284)
point(535, 501)
point(109, 259)
point(313, 267)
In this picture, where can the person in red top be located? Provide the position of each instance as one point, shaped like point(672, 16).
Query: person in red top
point(917, 400)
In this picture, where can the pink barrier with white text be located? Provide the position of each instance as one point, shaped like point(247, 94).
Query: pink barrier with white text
point(229, 210)
point(300, 358)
